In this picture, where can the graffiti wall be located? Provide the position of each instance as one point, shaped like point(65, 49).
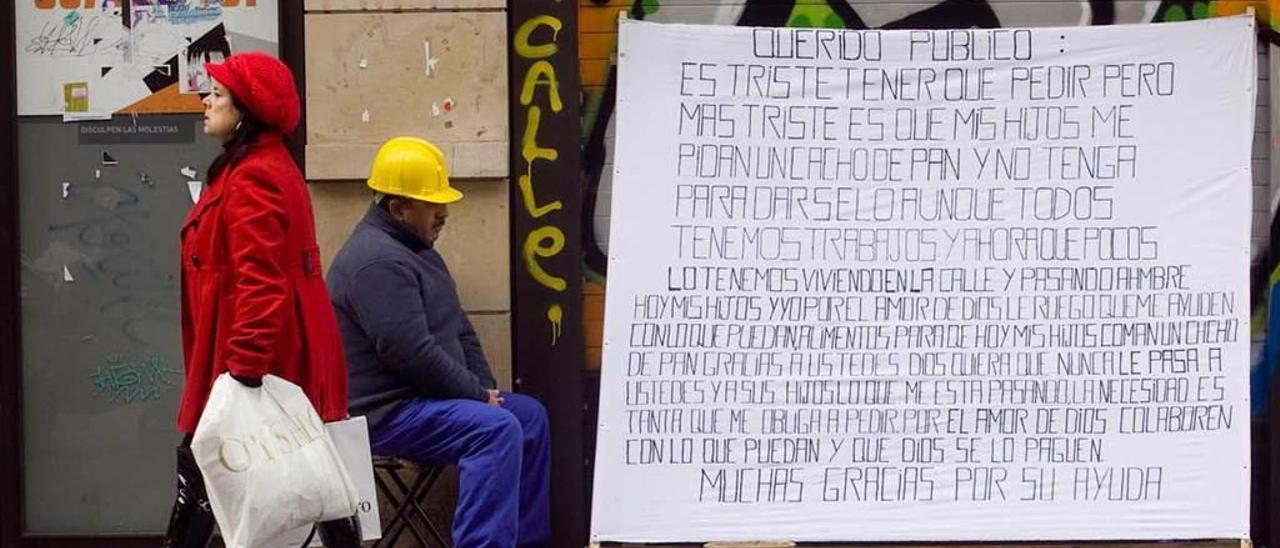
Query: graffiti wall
point(101, 205)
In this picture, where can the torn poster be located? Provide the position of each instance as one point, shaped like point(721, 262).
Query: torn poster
point(85, 116)
point(57, 46)
point(195, 187)
point(76, 97)
point(195, 79)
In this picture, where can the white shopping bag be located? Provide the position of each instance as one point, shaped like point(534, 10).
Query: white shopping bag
point(352, 439)
point(268, 463)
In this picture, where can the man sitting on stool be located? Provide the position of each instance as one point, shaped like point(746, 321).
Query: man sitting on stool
point(416, 368)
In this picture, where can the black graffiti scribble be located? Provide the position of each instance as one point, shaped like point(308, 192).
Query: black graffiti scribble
point(139, 308)
point(75, 38)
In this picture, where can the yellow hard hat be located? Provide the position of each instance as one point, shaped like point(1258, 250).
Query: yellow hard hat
point(413, 168)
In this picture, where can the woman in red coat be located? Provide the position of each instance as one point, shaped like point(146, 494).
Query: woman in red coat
point(253, 300)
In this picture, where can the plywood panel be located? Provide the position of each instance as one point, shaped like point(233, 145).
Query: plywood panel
point(389, 5)
point(593, 324)
point(368, 80)
point(474, 242)
point(597, 46)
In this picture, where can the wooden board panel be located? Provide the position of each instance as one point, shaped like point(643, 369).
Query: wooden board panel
point(593, 325)
point(368, 80)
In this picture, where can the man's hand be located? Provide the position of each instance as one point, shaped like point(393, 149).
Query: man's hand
point(495, 398)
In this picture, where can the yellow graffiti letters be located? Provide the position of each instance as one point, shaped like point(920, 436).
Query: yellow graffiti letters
point(530, 151)
point(541, 74)
point(529, 148)
point(548, 240)
point(555, 315)
point(529, 51)
point(535, 246)
point(531, 203)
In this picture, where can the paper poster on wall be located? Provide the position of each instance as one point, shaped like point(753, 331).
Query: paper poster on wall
point(77, 97)
point(193, 76)
point(930, 285)
point(146, 59)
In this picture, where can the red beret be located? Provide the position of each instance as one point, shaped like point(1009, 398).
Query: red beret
point(264, 85)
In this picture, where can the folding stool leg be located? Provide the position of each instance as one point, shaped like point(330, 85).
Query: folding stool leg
point(420, 491)
point(411, 503)
point(408, 502)
point(435, 476)
point(391, 533)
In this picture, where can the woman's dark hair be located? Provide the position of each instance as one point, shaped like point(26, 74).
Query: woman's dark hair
point(237, 147)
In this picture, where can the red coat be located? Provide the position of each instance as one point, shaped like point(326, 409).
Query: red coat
point(253, 299)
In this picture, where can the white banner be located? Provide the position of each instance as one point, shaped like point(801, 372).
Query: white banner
point(928, 284)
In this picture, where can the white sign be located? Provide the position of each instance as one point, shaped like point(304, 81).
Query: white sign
point(928, 284)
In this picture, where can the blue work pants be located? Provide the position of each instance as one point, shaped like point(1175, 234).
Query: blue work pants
point(503, 456)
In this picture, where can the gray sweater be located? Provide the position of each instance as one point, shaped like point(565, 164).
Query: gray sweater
point(403, 328)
